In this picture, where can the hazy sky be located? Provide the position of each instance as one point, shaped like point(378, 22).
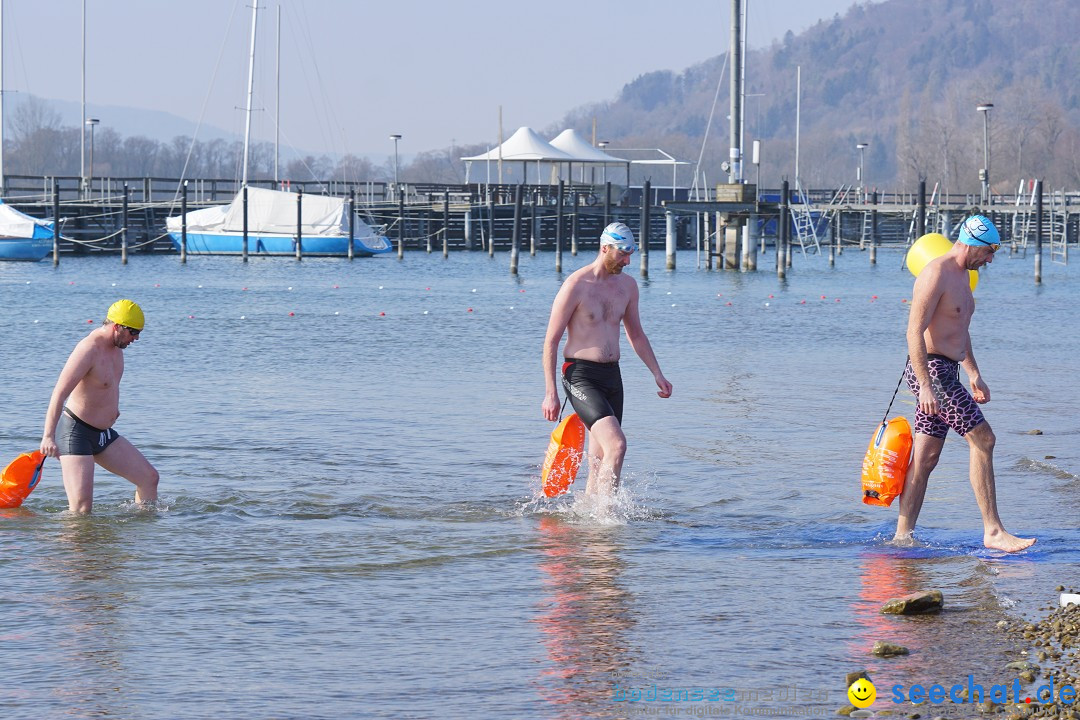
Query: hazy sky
point(354, 72)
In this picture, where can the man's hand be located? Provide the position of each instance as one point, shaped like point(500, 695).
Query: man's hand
point(48, 447)
point(664, 385)
point(551, 407)
point(979, 391)
point(927, 402)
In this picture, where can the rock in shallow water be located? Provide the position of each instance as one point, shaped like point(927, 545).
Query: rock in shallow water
point(884, 649)
point(930, 601)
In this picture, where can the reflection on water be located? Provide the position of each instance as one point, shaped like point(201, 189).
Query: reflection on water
point(586, 616)
point(91, 597)
point(345, 535)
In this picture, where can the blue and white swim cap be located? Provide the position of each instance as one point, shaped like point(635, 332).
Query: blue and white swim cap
point(620, 236)
point(978, 230)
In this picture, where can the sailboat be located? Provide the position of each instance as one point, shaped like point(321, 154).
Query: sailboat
point(272, 227)
point(324, 226)
point(23, 237)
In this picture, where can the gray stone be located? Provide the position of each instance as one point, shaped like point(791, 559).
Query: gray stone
point(884, 649)
point(930, 601)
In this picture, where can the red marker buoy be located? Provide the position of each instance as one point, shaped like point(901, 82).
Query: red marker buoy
point(382, 314)
point(90, 321)
point(470, 309)
point(291, 314)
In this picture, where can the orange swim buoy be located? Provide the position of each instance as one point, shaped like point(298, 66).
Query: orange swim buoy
point(20, 478)
point(886, 462)
point(563, 456)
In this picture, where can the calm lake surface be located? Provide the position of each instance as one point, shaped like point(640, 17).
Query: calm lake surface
point(349, 523)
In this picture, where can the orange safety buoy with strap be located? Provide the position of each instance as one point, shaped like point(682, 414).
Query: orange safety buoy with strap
point(886, 462)
point(20, 478)
point(563, 458)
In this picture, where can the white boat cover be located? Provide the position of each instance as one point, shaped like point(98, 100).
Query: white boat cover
point(14, 224)
point(271, 212)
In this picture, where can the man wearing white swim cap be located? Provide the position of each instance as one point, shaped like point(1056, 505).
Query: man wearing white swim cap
point(84, 405)
point(939, 342)
point(589, 308)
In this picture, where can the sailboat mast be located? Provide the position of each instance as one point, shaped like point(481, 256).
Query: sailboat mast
point(251, 90)
point(277, 99)
point(1, 98)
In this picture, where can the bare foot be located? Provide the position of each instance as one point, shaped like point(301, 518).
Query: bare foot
point(1001, 540)
point(904, 540)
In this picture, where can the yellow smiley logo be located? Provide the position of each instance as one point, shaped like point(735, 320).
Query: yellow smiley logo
point(862, 693)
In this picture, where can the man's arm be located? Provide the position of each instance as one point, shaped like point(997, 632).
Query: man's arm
point(638, 340)
point(561, 312)
point(75, 369)
point(979, 390)
point(924, 302)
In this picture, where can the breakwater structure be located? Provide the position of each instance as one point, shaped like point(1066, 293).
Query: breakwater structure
point(731, 226)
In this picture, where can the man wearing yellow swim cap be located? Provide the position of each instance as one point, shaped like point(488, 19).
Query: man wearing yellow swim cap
point(939, 342)
point(84, 405)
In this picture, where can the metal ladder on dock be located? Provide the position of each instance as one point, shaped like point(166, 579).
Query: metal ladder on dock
point(1023, 221)
point(1058, 229)
point(803, 217)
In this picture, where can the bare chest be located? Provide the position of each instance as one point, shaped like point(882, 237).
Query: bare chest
point(600, 305)
point(106, 371)
point(956, 303)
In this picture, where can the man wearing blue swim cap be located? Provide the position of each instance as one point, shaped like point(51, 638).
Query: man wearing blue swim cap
point(939, 342)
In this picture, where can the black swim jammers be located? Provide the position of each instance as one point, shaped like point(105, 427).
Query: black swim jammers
point(958, 410)
point(595, 389)
point(75, 437)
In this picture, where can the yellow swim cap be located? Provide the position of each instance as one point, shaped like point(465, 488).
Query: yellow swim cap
point(125, 312)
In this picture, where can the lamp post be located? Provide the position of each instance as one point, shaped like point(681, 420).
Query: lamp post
point(89, 180)
point(984, 173)
point(861, 146)
point(603, 144)
point(395, 138)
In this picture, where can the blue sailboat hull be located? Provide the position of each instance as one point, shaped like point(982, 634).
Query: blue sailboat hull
point(260, 244)
point(31, 249)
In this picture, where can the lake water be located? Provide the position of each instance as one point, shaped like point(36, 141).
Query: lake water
point(349, 523)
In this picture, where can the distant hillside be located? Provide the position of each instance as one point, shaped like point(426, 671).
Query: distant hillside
point(904, 75)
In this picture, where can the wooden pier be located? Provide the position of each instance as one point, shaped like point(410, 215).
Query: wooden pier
point(435, 218)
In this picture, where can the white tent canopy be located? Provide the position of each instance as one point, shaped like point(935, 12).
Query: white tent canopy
point(523, 146)
point(570, 142)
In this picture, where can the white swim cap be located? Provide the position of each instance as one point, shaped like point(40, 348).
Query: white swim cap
point(620, 236)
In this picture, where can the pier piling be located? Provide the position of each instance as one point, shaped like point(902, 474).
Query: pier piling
point(299, 224)
point(124, 228)
point(515, 236)
point(244, 241)
point(183, 223)
point(644, 242)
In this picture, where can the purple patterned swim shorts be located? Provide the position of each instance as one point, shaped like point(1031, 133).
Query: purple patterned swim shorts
point(958, 410)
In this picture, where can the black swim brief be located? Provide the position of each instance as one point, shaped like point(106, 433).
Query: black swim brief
point(595, 389)
point(75, 437)
point(957, 409)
